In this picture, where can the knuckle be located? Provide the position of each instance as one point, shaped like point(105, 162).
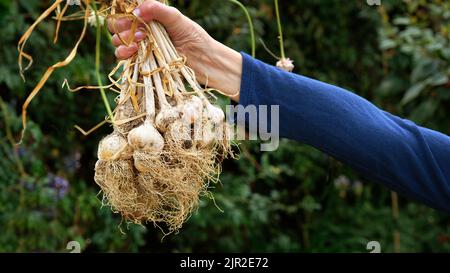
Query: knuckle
point(148, 6)
point(122, 52)
point(114, 25)
point(176, 14)
point(115, 40)
point(110, 25)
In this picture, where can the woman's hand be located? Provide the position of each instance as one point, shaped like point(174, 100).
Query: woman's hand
point(214, 63)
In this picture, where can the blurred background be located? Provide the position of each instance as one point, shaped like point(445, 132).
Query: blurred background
point(296, 199)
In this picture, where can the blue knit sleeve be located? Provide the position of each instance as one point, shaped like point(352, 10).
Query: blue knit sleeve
point(405, 157)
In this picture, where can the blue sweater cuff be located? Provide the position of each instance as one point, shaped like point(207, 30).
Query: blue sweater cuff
point(247, 80)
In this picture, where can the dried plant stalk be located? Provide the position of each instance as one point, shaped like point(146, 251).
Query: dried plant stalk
point(168, 140)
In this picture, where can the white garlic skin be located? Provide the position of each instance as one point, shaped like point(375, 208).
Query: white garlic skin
point(192, 109)
point(204, 135)
point(111, 147)
point(146, 138)
point(215, 114)
point(166, 117)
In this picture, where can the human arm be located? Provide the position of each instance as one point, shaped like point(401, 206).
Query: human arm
point(403, 156)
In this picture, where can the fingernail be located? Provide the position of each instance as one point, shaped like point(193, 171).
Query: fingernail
point(139, 35)
point(137, 12)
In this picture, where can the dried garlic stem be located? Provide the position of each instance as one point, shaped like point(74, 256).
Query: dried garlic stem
point(146, 137)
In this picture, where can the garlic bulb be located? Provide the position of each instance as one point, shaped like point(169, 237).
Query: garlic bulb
point(214, 113)
point(166, 117)
point(192, 110)
point(111, 147)
point(146, 138)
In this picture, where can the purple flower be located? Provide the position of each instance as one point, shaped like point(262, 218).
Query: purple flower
point(59, 184)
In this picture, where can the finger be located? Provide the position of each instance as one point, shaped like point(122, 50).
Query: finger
point(127, 36)
point(125, 52)
point(154, 10)
point(117, 25)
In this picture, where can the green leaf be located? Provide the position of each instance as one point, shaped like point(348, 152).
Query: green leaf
point(387, 44)
point(309, 204)
point(424, 69)
point(392, 85)
point(413, 92)
point(401, 21)
point(408, 49)
point(435, 46)
point(412, 32)
point(438, 79)
point(424, 111)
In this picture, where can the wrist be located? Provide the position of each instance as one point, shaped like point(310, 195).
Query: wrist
point(222, 69)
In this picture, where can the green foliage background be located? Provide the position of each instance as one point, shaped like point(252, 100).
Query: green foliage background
point(296, 199)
